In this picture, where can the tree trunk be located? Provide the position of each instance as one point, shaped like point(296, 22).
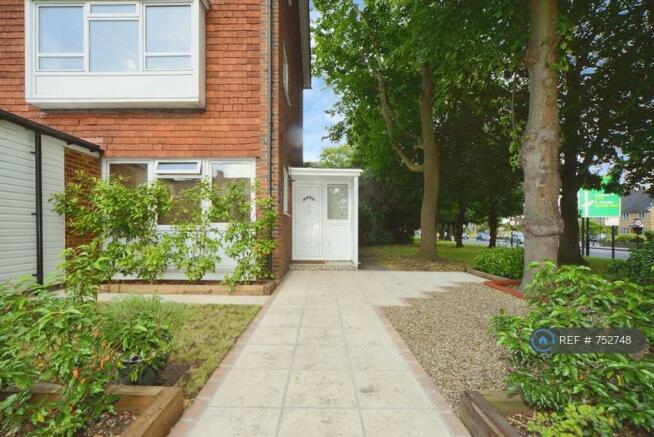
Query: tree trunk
point(460, 222)
point(569, 252)
point(539, 156)
point(431, 176)
point(492, 224)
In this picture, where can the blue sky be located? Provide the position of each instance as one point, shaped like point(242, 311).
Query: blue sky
point(317, 101)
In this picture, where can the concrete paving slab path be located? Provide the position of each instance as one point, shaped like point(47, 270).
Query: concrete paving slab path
point(322, 360)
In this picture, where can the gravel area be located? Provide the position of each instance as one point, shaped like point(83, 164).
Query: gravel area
point(449, 335)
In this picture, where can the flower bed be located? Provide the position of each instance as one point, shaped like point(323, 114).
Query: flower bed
point(155, 410)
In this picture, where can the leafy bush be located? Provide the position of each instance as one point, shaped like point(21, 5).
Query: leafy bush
point(573, 297)
point(195, 240)
point(626, 237)
point(502, 261)
point(639, 268)
point(48, 339)
point(119, 222)
point(142, 327)
point(247, 240)
point(574, 420)
point(141, 338)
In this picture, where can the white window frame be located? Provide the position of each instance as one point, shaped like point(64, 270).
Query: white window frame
point(145, 54)
point(196, 171)
point(206, 165)
point(88, 17)
point(37, 25)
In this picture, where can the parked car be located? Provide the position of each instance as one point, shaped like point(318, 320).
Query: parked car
point(482, 236)
point(518, 238)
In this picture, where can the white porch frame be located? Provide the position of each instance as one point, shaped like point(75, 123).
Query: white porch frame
point(323, 177)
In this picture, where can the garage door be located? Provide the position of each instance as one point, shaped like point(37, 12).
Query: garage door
point(18, 246)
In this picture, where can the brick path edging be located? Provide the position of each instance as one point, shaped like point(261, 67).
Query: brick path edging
point(451, 420)
point(201, 401)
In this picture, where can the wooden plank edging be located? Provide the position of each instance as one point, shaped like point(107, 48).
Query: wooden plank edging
point(482, 419)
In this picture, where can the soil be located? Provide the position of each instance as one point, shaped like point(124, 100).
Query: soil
point(108, 425)
point(172, 373)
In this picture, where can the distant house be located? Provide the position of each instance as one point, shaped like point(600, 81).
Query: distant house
point(637, 206)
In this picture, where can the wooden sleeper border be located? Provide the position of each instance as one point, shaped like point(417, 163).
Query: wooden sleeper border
point(157, 409)
point(482, 413)
point(260, 289)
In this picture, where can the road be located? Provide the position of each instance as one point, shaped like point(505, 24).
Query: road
point(600, 252)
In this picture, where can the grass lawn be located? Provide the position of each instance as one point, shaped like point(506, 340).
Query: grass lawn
point(202, 335)
point(390, 255)
point(205, 337)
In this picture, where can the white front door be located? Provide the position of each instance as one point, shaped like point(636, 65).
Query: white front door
point(307, 205)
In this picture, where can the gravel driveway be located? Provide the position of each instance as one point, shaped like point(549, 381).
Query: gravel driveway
point(448, 334)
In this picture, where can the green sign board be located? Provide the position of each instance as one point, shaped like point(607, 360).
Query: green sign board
point(598, 204)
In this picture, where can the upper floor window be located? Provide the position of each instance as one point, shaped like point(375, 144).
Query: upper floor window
point(77, 49)
point(113, 40)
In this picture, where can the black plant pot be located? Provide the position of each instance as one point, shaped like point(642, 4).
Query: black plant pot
point(148, 376)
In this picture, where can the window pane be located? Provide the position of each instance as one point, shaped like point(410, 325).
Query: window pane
point(61, 64)
point(131, 175)
point(337, 202)
point(168, 62)
point(168, 28)
point(60, 29)
point(113, 9)
point(169, 167)
point(182, 207)
point(225, 175)
point(114, 45)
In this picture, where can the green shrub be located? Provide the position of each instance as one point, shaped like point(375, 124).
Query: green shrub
point(48, 339)
point(122, 224)
point(574, 421)
point(626, 237)
point(141, 327)
point(573, 297)
point(639, 268)
point(502, 261)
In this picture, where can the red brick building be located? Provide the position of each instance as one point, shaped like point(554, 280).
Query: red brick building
point(172, 90)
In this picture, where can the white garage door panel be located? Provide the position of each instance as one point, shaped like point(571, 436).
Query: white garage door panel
point(18, 197)
point(17, 224)
point(53, 182)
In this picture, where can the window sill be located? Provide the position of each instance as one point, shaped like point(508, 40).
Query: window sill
point(117, 103)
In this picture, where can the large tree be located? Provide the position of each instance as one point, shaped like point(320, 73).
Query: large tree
point(541, 144)
point(399, 61)
point(606, 100)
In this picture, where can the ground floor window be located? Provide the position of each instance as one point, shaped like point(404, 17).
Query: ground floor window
point(180, 175)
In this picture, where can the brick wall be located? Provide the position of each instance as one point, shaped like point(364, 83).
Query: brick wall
point(288, 119)
point(234, 122)
point(74, 162)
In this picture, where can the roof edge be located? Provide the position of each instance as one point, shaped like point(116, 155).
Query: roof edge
point(46, 130)
point(313, 171)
